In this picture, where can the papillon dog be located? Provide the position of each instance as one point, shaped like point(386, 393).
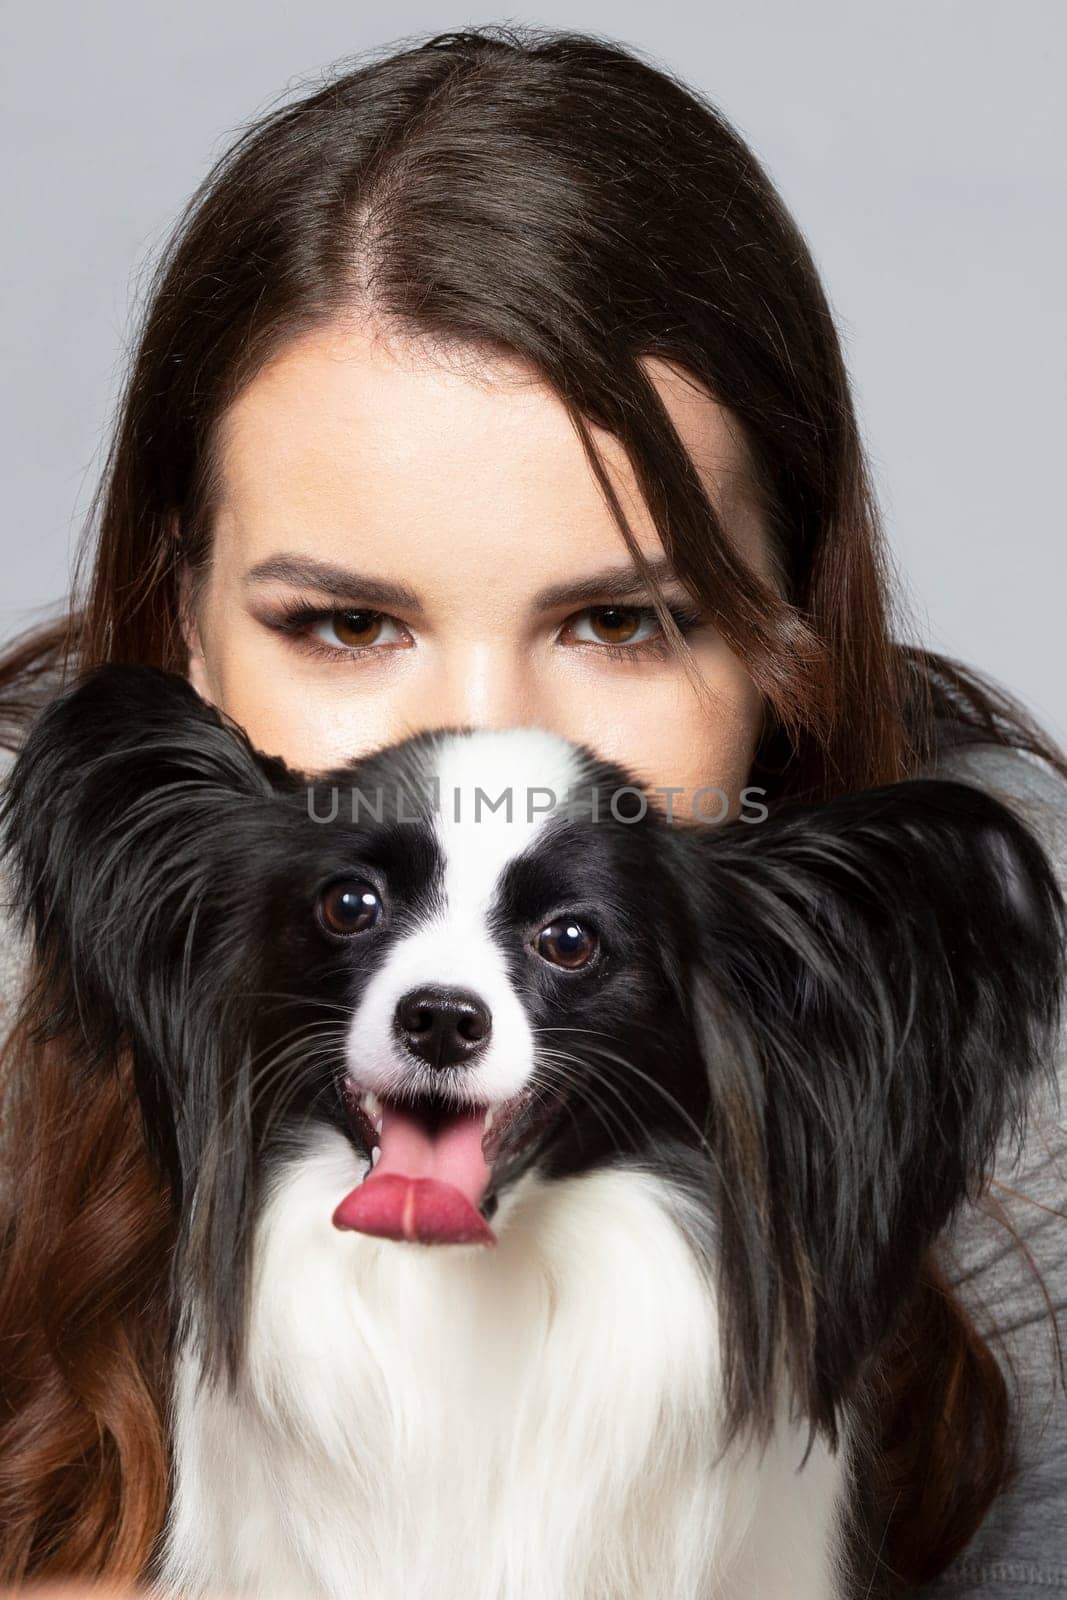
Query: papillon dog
point(548, 1171)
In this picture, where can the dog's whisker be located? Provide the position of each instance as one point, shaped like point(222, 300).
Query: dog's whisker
point(597, 1105)
point(260, 1078)
point(631, 1067)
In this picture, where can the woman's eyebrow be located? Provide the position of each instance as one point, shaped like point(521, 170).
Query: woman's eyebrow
point(616, 582)
point(340, 583)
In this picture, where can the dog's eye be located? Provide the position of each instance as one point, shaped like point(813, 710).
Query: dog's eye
point(567, 943)
point(349, 907)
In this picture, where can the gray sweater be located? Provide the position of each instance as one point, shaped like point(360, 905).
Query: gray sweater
point(1020, 1552)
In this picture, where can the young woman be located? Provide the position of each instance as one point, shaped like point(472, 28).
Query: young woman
point(492, 383)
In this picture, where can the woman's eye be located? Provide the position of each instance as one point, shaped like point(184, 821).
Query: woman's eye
point(567, 943)
point(349, 907)
point(618, 625)
point(631, 632)
point(352, 630)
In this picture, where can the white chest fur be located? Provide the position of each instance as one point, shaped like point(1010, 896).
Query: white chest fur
point(531, 1422)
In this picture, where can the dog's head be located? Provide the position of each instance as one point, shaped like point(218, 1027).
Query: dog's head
point(816, 1026)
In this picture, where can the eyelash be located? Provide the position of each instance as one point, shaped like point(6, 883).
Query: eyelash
point(298, 620)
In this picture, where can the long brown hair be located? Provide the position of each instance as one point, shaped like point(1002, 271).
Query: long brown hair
point(555, 197)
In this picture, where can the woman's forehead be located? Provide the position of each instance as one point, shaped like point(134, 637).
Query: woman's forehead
point(350, 442)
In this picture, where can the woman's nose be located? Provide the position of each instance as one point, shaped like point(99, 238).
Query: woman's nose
point(480, 687)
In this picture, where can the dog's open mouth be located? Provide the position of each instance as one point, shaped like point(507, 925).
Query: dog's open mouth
point(433, 1164)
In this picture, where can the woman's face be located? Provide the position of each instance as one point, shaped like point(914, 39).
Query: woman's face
point(404, 543)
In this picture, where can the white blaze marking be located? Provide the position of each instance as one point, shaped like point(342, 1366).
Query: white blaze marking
point(454, 947)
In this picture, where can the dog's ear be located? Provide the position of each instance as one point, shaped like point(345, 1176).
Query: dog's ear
point(877, 984)
point(122, 749)
point(124, 804)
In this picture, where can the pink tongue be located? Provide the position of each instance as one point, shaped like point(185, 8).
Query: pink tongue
point(426, 1187)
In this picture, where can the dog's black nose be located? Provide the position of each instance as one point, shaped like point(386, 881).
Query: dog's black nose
point(444, 1027)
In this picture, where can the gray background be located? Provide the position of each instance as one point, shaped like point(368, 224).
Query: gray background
point(919, 145)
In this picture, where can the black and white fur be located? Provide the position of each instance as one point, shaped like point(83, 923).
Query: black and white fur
point(790, 1060)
